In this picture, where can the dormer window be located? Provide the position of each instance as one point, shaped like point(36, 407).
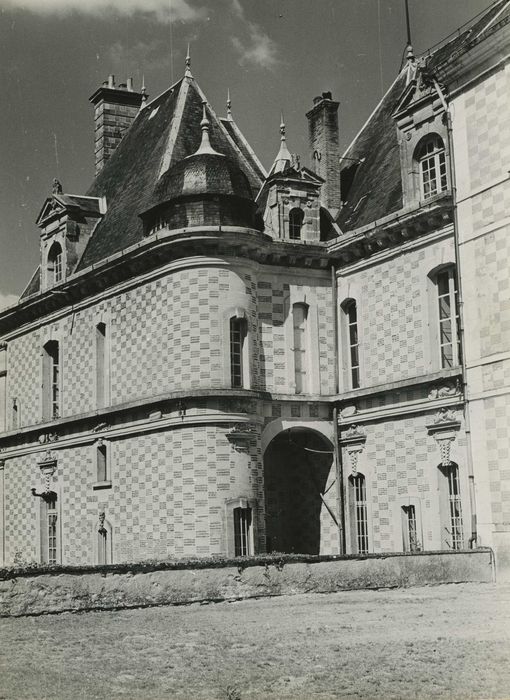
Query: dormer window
point(296, 217)
point(55, 265)
point(432, 167)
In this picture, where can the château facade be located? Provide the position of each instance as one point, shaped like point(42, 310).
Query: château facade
point(213, 359)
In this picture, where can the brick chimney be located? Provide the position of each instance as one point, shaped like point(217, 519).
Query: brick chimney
point(115, 109)
point(324, 148)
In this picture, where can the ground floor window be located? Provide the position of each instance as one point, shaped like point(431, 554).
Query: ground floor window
point(242, 532)
point(359, 513)
point(410, 529)
point(49, 529)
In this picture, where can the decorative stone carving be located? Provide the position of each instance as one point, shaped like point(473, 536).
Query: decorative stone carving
point(354, 452)
point(445, 389)
point(444, 429)
point(239, 435)
point(354, 439)
point(56, 187)
point(99, 427)
point(47, 437)
point(101, 529)
point(348, 411)
point(445, 415)
point(47, 466)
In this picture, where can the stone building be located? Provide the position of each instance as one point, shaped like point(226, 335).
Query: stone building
point(212, 359)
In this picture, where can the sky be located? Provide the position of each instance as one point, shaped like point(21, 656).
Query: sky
point(273, 55)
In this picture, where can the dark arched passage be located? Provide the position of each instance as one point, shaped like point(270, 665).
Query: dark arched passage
point(298, 464)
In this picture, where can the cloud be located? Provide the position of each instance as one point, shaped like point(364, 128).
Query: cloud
point(256, 46)
point(184, 10)
point(7, 300)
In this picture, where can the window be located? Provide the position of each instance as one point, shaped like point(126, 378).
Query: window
point(242, 532)
point(359, 513)
point(432, 167)
point(101, 365)
point(55, 265)
point(49, 529)
point(15, 413)
point(453, 521)
point(101, 463)
point(410, 529)
point(104, 540)
point(296, 217)
point(237, 336)
point(51, 380)
point(299, 317)
point(351, 332)
point(448, 317)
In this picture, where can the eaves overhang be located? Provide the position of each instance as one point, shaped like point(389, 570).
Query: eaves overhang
point(155, 251)
point(393, 230)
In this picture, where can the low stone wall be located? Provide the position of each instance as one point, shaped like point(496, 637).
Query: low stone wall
point(106, 588)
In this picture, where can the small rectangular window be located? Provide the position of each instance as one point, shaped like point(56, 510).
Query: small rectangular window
point(237, 335)
point(102, 466)
point(49, 529)
point(410, 529)
point(359, 513)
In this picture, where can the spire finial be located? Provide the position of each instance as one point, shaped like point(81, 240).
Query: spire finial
point(187, 73)
point(229, 106)
point(282, 127)
point(205, 145)
point(144, 92)
point(410, 50)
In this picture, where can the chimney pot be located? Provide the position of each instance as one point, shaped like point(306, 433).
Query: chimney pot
point(316, 100)
point(130, 84)
point(111, 81)
point(327, 95)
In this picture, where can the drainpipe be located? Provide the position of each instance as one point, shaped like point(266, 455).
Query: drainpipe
point(337, 453)
point(471, 477)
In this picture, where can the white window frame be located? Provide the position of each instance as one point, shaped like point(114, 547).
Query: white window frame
point(432, 166)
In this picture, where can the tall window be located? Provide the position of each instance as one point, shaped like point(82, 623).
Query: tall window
point(299, 318)
point(359, 513)
point(448, 315)
point(432, 165)
point(101, 365)
point(51, 380)
point(296, 217)
point(455, 529)
point(237, 337)
point(102, 463)
point(242, 532)
point(55, 264)
point(351, 331)
point(410, 529)
point(49, 529)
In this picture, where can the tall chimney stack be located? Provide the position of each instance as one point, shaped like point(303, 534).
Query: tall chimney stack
point(324, 148)
point(115, 108)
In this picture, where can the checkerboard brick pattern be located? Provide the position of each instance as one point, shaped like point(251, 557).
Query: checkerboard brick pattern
point(167, 498)
point(487, 107)
point(493, 281)
point(497, 436)
point(400, 462)
point(393, 315)
point(275, 299)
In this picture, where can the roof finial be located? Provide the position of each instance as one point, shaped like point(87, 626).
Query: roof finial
point(282, 127)
point(410, 50)
point(187, 73)
point(144, 92)
point(284, 159)
point(205, 145)
point(229, 106)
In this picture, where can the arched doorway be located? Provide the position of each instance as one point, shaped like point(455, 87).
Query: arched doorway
point(300, 494)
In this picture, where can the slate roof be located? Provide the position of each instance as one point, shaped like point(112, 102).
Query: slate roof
point(376, 188)
point(165, 132)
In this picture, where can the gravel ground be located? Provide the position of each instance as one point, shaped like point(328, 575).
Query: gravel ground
point(437, 642)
